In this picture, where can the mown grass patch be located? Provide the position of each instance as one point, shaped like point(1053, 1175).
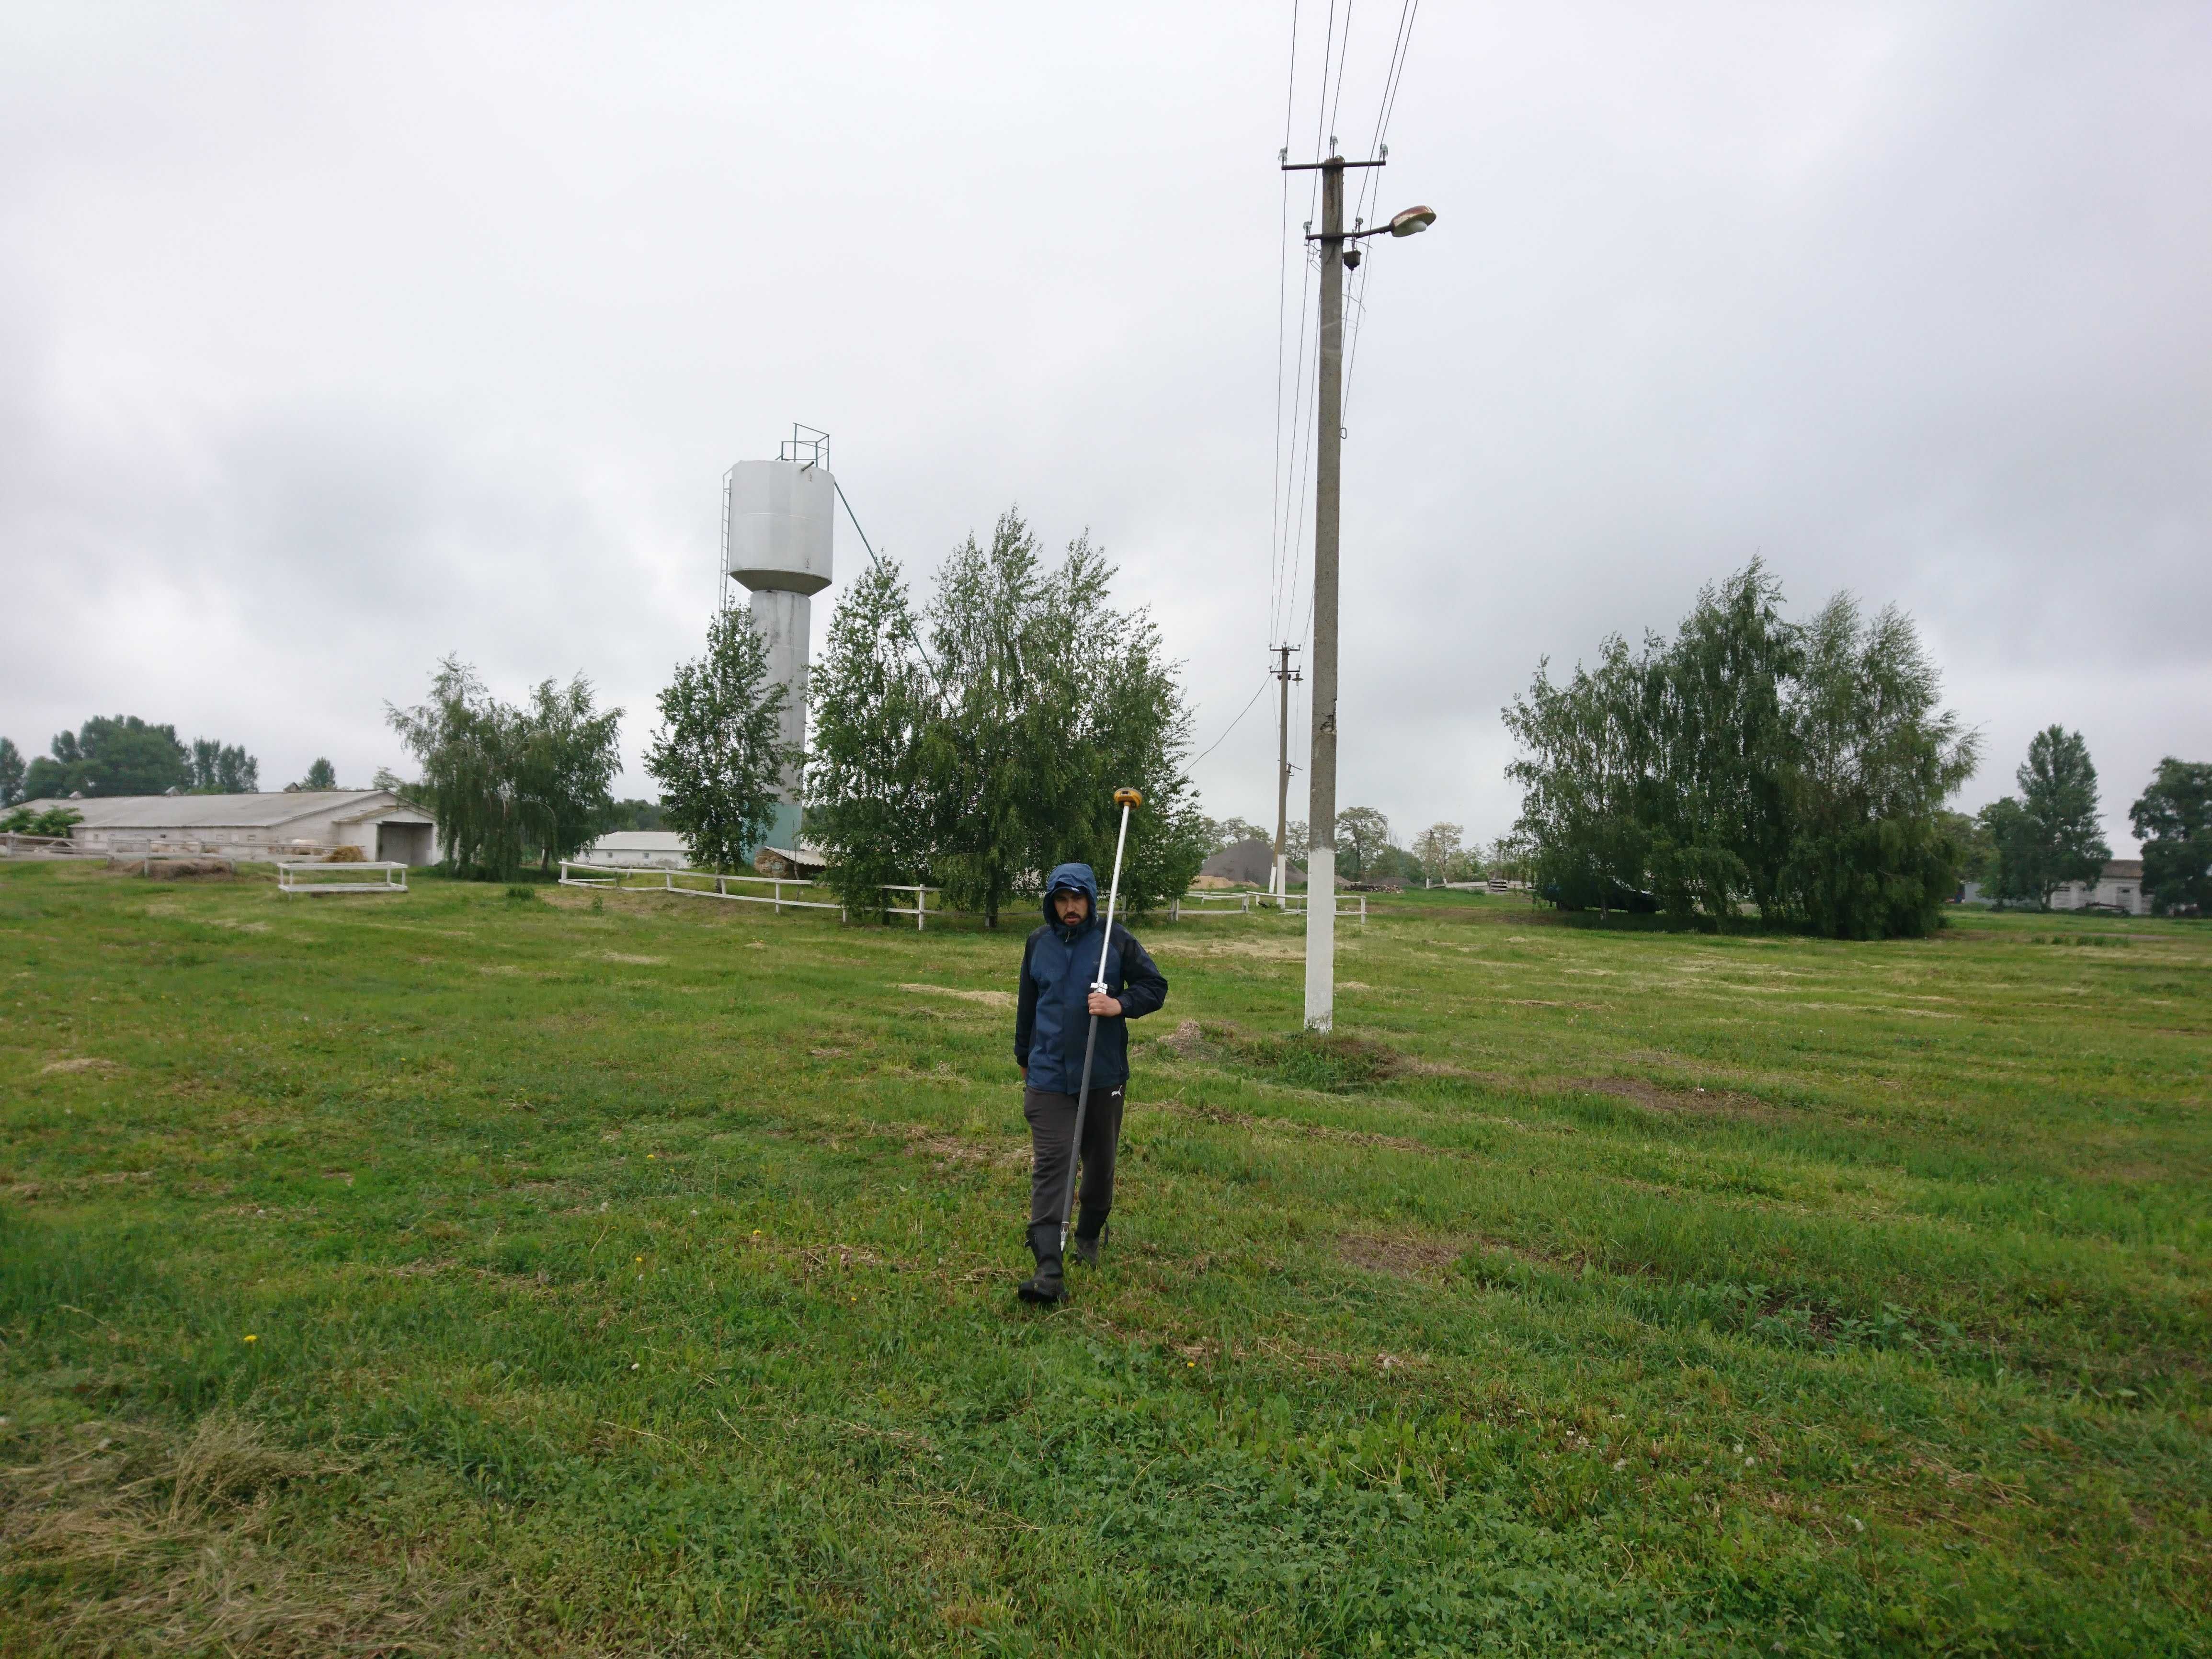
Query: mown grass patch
point(1592, 1291)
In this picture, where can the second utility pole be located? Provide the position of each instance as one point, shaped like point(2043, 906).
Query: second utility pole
point(1280, 886)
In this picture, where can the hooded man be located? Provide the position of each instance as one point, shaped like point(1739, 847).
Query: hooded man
point(1053, 1022)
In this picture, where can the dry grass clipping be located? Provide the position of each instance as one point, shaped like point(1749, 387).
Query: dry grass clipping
point(988, 998)
point(1693, 1102)
point(155, 1543)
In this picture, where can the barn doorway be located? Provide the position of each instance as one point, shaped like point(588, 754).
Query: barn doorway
point(404, 843)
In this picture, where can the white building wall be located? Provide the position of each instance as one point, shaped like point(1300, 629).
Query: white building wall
point(2108, 892)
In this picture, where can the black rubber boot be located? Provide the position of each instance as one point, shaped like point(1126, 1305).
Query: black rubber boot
point(1090, 1234)
point(1045, 1285)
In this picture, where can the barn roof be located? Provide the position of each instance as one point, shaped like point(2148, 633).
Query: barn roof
point(268, 809)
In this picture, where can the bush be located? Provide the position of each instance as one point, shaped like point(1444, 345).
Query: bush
point(55, 821)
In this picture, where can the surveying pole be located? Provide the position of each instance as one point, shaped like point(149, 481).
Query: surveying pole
point(1286, 673)
point(1321, 827)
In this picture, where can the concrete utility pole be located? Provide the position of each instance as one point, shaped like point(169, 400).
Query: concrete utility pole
point(1321, 828)
point(1286, 673)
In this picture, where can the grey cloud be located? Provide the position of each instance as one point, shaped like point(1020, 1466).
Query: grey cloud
point(333, 342)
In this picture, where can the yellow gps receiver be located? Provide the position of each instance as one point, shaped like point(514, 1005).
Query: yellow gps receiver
point(1128, 798)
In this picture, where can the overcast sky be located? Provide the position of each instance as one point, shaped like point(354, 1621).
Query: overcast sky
point(333, 340)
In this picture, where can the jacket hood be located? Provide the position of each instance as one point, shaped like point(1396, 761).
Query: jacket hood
point(1078, 876)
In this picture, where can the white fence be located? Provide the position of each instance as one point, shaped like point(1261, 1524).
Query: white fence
point(919, 909)
point(316, 877)
point(643, 879)
point(639, 878)
point(1194, 907)
point(15, 845)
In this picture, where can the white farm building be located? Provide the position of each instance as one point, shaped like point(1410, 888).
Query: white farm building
point(2119, 887)
point(301, 823)
point(638, 849)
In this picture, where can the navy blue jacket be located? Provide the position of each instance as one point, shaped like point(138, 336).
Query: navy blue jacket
point(1053, 1020)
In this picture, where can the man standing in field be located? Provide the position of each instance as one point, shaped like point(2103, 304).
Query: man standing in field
point(1054, 1022)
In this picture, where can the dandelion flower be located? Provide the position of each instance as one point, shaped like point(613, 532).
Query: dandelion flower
point(250, 1337)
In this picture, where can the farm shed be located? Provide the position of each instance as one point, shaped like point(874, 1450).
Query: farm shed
point(2119, 887)
point(277, 824)
point(791, 863)
point(639, 849)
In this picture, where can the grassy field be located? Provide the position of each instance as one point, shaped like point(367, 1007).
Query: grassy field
point(468, 1273)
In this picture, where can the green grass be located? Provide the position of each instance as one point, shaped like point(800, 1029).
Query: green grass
point(466, 1272)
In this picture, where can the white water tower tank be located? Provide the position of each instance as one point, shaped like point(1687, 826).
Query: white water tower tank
point(780, 525)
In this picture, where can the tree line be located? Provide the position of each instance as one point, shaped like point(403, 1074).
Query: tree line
point(1798, 768)
point(968, 743)
point(1369, 852)
point(2024, 848)
point(126, 755)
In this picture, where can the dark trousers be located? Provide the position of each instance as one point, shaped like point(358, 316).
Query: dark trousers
point(1052, 1143)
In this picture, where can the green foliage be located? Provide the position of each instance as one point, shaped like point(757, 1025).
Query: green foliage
point(1362, 835)
point(11, 772)
point(565, 753)
point(631, 815)
point(55, 821)
point(1437, 850)
point(1799, 769)
point(121, 755)
point(320, 776)
point(979, 759)
point(220, 768)
point(2049, 833)
point(718, 752)
point(869, 804)
point(1222, 833)
point(502, 780)
point(2058, 787)
point(1874, 758)
point(2173, 818)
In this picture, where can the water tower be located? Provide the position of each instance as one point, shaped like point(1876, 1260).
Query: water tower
point(777, 538)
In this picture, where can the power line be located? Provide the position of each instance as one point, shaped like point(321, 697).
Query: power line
point(1282, 312)
point(1232, 725)
point(1393, 78)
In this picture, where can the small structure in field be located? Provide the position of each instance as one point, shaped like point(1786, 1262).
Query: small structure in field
point(638, 849)
point(2119, 887)
point(791, 863)
point(298, 823)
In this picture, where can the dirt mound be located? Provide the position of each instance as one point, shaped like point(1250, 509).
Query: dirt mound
point(1407, 1257)
point(175, 869)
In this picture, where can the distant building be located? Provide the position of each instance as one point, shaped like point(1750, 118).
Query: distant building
point(303, 823)
point(2119, 888)
point(1249, 861)
point(639, 849)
